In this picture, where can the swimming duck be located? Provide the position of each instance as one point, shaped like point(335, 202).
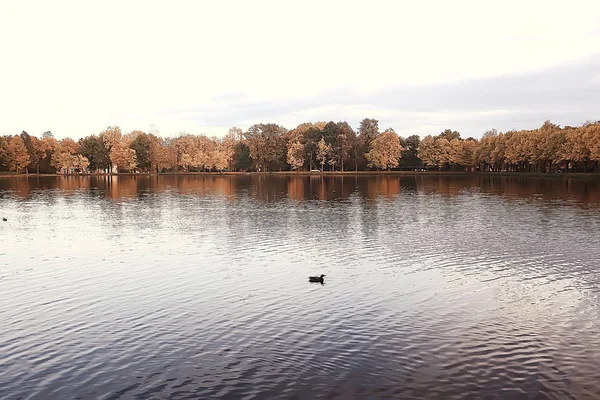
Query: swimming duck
point(316, 278)
point(4, 219)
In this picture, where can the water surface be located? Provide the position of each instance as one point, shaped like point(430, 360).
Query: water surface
point(196, 287)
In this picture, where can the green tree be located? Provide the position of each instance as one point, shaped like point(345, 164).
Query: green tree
point(323, 151)
point(142, 144)
point(410, 152)
point(241, 159)
point(367, 132)
point(267, 146)
point(330, 133)
point(92, 147)
point(345, 140)
point(448, 134)
point(311, 138)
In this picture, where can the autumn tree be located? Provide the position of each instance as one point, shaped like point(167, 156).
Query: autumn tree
point(295, 155)
point(483, 151)
point(169, 156)
point(549, 140)
point(256, 142)
point(65, 155)
point(323, 151)
point(592, 137)
point(449, 135)
point(36, 149)
point(51, 145)
point(4, 140)
point(228, 148)
point(220, 155)
point(27, 141)
point(185, 147)
point(427, 151)
point(552, 146)
point(442, 146)
point(575, 148)
point(498, 152)
point(18, 157)
point(68, 162)
point(513, 149)
point(385, 150)
point(455, 152)
point(236, 133)
point(157, 150)
point(111, 137)
point(205, 153)
point(467, 156)
point(345, 140)
point(267, 145)
point(123, 157)
point(435, 152)
point(80, 162)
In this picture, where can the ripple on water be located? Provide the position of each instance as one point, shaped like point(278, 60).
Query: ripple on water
point(195, 287)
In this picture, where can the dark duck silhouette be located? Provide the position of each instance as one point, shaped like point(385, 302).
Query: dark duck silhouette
point(4, 219)
point(316, 278)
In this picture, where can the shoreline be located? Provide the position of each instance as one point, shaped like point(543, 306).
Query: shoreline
point(566, 175)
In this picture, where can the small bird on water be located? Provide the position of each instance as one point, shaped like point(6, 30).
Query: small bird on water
point(316, 278)
point(4, 219)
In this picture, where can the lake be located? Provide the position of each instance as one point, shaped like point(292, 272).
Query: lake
point(178, 287)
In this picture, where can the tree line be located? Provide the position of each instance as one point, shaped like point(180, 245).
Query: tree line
point(326, 146)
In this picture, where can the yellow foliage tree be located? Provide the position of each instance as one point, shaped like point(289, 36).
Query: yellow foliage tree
point(295, 155)
point(323, 150)
point(123, 157)
point(18, 157)
point(385, 150)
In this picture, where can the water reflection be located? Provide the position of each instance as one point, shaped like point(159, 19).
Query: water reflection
point(196, 287)
point(274, 188)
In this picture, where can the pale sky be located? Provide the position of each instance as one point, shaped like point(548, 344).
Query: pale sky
point(76, 67)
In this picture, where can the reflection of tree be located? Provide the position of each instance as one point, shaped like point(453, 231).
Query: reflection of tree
point(371, 188)
point(444, 185)
point(273, 188)
point(295, 189)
